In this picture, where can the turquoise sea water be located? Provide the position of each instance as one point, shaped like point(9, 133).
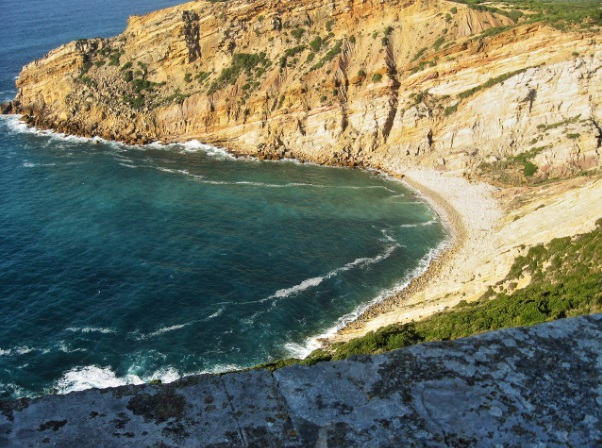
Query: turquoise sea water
point(120, 264)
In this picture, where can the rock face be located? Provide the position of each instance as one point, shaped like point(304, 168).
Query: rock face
point(518, 387)
point(346, 82)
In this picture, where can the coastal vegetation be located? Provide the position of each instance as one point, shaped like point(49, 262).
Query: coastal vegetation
point(248, 63)
point(563, 14)
point(565, 281)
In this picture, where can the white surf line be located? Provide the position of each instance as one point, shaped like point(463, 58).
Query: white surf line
point(288, 185)
point(15, 351)
point(97, 377)
point(315, 281)
point(90, 330)
point(419, 224)
point(143, 336)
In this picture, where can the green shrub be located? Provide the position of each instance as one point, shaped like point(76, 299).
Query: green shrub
point(297, 33)
point(450, 110)
point(202, 76)
point(438, 43)
point(329, 56)
point(316, 44)
point(293, 51)
point(241, 62)
point(419, 54)
point(529, 169)
point(377, 77)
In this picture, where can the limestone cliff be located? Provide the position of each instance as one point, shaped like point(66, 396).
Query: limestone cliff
point(348, 82)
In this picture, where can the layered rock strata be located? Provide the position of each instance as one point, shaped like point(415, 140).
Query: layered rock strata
point(348, 82)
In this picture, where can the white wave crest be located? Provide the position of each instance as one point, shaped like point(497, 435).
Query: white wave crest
point(247, 183)
point(96, 377)
point(91, 330)
point(216, 314)
point(15, 390)
point(419, 224)
point(196, 146)
point(33, 165)
point(15, 351)
point(65, 347)
point(219, 368)
point(92, 377)
point(315, 281)
point(141, 336)
point(176, 171)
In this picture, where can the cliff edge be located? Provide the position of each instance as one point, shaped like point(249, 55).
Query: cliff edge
point(524, 386)
point(362, 83)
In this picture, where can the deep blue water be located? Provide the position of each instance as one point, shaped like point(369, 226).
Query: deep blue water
point(121, 264)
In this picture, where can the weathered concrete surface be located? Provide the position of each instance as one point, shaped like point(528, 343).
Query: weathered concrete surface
point(520, 387)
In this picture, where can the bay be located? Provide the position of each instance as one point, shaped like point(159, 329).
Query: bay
point(121, 264)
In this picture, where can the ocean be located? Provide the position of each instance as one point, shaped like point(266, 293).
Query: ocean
point(122, 264)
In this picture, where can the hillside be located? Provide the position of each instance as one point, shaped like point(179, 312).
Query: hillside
point(474, 89)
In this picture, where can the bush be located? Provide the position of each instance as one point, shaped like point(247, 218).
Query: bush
point(450, 110)
point(297, 33)
point(529, 169)
point(316, 44)
point(377, 77)
point(241, 62)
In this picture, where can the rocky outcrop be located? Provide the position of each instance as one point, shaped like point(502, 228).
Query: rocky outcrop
point(516, 387)
point(380, 84)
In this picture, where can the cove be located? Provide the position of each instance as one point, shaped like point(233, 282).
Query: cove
point(122, 264)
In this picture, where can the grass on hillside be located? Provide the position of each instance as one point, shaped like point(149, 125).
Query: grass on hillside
point(562, 14)
point(566, 281)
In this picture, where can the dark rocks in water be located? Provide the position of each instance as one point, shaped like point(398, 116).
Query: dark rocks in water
point(515, 387)
point(7, 108)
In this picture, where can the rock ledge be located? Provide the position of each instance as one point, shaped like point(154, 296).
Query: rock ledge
point(524, 386)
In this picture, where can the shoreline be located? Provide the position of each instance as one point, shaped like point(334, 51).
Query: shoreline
point(419, 180)
point(486, 233)
point(489, 228)
point(437, 189)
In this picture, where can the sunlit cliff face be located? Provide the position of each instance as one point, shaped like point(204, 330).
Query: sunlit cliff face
point(346, 83)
